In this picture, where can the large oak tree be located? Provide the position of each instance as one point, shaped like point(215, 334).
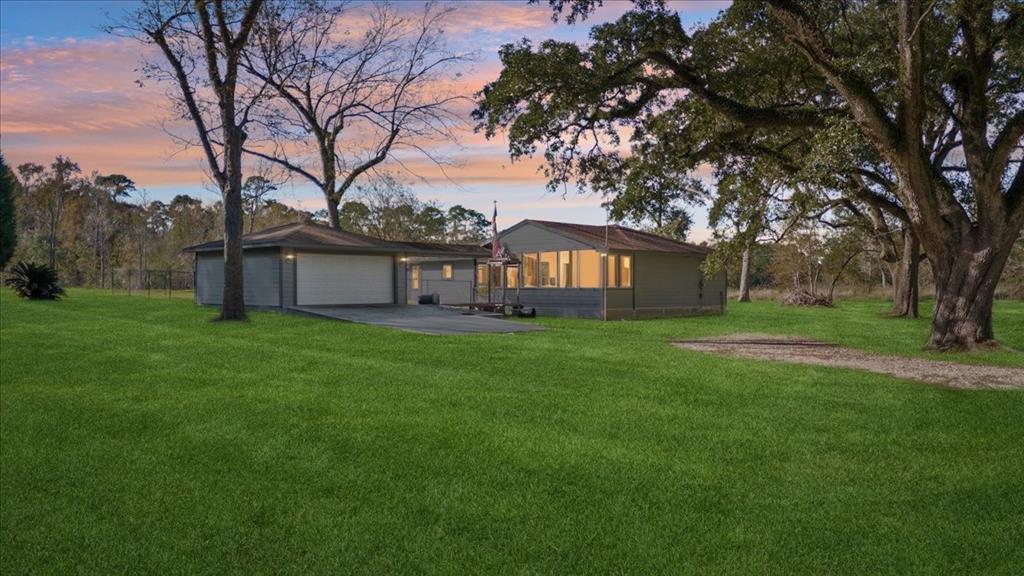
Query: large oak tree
point(931, 91)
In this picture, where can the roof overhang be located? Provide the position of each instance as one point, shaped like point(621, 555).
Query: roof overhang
point(396, 250)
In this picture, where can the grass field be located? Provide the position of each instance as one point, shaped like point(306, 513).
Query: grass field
point(136, 436)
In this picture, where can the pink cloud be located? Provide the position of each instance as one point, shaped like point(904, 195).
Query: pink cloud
point(501, 17)
point(81, 99)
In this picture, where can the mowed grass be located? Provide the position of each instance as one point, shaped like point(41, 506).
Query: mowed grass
point(137, 436)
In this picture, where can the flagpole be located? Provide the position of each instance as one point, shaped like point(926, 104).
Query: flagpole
point(604, 307)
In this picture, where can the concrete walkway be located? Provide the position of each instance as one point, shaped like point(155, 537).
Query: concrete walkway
point(422, 319)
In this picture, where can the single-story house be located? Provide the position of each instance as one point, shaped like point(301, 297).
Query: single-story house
point(583, 271)
point(558, 269)
point(313, 265)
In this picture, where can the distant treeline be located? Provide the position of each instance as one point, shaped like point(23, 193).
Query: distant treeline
point(85, 226)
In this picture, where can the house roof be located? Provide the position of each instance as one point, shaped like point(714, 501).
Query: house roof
point(320, 237)
point(618, 237)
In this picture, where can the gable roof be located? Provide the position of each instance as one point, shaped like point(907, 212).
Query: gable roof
point(618, 237)
point(319, 237)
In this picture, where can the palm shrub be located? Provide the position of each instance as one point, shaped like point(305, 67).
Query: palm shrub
point(34, 281)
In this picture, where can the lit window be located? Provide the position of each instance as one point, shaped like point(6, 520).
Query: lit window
point(446, 272)
point(415, 272)
point(549, 269)
point(512, 277)
point(565, 270)
point(612, 269)
point(587, 268)
point(481, 274)
point(530, 271)
point(625, 271)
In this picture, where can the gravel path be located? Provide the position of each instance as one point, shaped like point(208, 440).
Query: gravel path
point(803, 351)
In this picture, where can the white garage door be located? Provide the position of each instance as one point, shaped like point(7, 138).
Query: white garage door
point(344, 279)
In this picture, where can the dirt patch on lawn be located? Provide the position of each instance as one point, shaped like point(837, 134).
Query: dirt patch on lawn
point(804, 351)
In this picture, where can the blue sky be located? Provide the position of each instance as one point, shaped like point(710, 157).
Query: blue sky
point(68, 88)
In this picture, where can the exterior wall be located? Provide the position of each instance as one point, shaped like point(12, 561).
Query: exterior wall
point(400, 274)
point(571, 302)
point(457, 290)
point(620, 298)
point(533, 238)
point(671, 285)
point(288, 279)
point(262, 269)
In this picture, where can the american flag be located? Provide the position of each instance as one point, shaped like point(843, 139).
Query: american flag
point(495, 243)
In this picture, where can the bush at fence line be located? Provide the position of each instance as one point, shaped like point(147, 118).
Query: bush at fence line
point(34, 281)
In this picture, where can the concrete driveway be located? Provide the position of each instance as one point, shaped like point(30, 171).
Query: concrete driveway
point(423, 319)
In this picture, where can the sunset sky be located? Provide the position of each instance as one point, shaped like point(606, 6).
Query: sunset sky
point(68, 88)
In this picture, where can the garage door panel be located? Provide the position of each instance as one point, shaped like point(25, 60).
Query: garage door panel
point(326, 279)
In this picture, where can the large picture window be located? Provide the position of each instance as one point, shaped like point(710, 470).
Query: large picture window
point(530, 271)
point(549, 269)
point(625, 272)
point(620, 271)
point(565, 279)
point(586, 269)
point(570, 269)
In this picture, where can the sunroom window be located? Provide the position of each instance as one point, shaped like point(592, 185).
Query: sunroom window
point(549, 269)
point(620, 271)
point(530, 270)
point(565, 279)
point(587, 269)
point(512, 277)
point(625, 271)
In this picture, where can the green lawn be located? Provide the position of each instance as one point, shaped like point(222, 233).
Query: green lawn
point(136, 436)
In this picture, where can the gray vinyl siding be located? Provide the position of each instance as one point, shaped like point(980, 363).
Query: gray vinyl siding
point(531, 237)
point(262, 269)
point(571, 302)
point(412, 295)
point(665, 282)
point(400, 275)
point(620, 298)
point(457, 290)
point(288, 280)
point(716, 291)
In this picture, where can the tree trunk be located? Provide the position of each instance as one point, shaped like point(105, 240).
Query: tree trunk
point(965, 284)
point(745, 276)
point(52, 251)
point(905, 278)
point(233, 303)
point(332, 214)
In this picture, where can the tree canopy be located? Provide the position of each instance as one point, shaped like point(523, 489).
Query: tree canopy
point(914, 110)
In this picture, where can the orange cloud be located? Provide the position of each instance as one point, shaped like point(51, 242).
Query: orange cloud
point(81, 99)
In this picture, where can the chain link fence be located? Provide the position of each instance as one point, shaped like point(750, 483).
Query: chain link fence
point(152, 283)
